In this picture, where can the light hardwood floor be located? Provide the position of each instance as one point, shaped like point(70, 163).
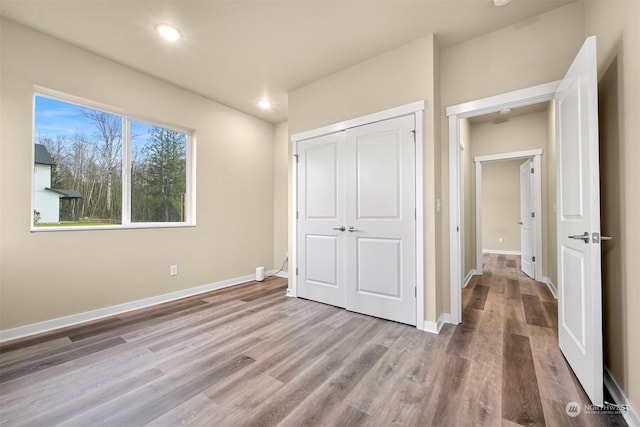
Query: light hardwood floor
point(249, 356)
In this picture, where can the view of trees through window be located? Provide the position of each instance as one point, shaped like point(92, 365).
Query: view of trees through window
point(79, 168)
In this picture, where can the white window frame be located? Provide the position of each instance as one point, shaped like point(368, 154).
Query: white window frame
point(126, 222)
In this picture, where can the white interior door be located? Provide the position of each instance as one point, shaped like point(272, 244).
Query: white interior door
point(580, 297)
point(321, 219)
point(527, 224)
point(381, 220)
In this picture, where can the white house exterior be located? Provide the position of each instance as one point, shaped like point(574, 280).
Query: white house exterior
point(45, 201)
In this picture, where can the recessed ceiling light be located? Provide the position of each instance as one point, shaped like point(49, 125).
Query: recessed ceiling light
point(500, 2)
point(264, 104)
point(168, 32)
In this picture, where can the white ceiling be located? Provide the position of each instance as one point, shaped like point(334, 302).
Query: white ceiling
point(237, 52)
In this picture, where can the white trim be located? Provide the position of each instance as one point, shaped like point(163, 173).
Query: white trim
point(436, 327)
point(455, 243)
point(514, 155)
point(419, 200)
point(518, 98)
point(537, 208)
point(416, 109)
point(500, 252)
point(283, 274)
point(552, 288)
point(74, 319)
point(479, 216)
point(514, 99)
point(630, 415)
point(469, 276)
point(391, 113)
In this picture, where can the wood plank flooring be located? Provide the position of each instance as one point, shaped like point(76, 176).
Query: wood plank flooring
point(249, 356)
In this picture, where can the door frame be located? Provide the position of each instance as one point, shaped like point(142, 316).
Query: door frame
point(537, 202)
point(416, 109)
point(518, 98)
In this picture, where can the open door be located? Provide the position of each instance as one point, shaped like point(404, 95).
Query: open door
point(527, 220)
point(578, 195)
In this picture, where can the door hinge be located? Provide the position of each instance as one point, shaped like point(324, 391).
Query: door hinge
point(297, 214)
point(533, 259)
point(415, 213)
point(296, 156)
point(296, 271)
point(533, 214)
point(531, 170)
point(415, 291)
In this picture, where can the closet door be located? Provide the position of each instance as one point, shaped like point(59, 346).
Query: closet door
point(381, 264)
point(321, 220)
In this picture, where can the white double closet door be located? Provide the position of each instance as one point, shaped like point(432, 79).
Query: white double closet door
point(356, 219)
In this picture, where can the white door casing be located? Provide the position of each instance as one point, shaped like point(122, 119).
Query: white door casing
point(519, 98)
point(356, 197)
point(578, 193)
point(536, 202)
point(381, 219)
point(527, 224)
point(321, 217)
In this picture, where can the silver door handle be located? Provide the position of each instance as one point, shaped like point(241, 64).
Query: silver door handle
point(597, 238)
point(584, 237)
point(341, 228)
point(352, 229)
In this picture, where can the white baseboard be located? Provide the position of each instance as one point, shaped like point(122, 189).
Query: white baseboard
point(290, 293)
point(469, 275)
point(74, 319)
point(283, 274)
point(436, 327)
point(500, 252)
point(630, 415)
point(551, 286)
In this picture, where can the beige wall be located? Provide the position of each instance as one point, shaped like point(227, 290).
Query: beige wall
point(501, 205)
point(532, 52)
point(401, 76)
point(617, 27)
point(49, 275)
point(280, 193)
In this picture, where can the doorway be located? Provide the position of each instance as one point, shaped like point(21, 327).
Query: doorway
point(520, 98)
point(530, 222)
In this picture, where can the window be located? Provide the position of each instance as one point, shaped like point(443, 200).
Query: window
point(97, 168)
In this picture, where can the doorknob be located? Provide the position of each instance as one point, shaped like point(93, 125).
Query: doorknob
point(584, 237)
point(352, 229)
point(341, 228)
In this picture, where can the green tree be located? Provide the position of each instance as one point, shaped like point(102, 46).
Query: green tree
point(161, 182)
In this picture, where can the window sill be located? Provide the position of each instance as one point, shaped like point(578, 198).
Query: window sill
point(148, 225)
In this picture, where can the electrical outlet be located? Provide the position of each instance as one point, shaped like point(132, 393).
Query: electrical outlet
point(173, 270)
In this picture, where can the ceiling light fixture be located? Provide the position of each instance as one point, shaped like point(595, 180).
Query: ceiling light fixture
point(264, 104)
point(168, 32)
point(500, 2)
